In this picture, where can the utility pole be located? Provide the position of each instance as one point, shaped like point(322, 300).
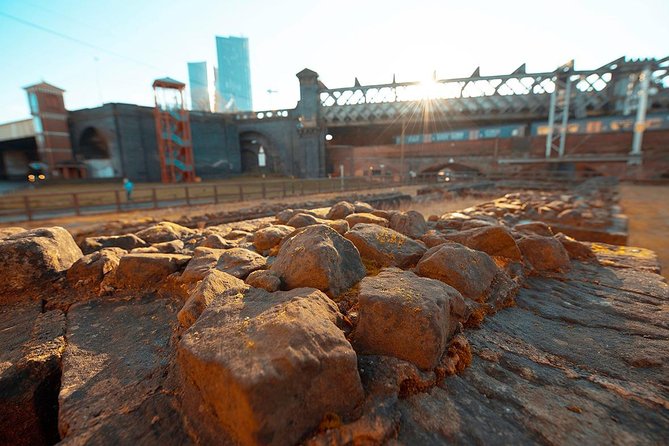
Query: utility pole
point(640, 123)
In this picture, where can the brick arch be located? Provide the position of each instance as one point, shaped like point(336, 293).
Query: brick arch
point(249, 144)
point(458, 168)
point(93, 144)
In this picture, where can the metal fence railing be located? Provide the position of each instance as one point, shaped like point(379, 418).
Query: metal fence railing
point(43, 205)
point(38, 205)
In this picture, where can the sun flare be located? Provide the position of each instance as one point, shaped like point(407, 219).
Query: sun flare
point(430, 89)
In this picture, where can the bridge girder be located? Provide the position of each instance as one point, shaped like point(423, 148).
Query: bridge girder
point(605, 90)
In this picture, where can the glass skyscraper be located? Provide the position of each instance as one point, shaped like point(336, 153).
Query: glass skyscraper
point(233, 83)
point(198, 83)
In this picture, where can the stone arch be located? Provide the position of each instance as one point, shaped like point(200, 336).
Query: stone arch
point(455, 170)
point(93, 145)
point(250, 143)
point(93, 150)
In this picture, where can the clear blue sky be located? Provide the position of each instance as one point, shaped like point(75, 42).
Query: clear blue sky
point(137, 41)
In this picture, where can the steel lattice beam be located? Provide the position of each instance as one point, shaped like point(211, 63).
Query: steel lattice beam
point(525, 95)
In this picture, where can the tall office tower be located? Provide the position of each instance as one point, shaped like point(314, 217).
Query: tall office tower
point(199, 86)
point(234, 74)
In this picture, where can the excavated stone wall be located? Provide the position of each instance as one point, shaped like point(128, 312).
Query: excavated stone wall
point(339, 325)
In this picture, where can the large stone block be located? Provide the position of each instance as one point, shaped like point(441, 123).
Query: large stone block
point(269, 237)
point(266, 368)
point(493, 240)
point(164, 231)
point(340, 210)
point(384, 246)
point(406, 316)
point(28, 259)
point(92, 268)
point(366, 217)
point(215, 284)
point(144, 271)
point(127, 242)
point(412, 223)
point(468, 271)
point(319, 257)
point(544, 253)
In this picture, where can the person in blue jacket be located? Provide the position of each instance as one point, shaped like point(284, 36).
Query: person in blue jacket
point(128, 186)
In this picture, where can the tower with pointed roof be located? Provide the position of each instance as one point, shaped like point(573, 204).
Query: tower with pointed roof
point(52, 134)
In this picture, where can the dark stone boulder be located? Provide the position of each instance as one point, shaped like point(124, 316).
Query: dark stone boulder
point(127, 242)
point(434, 238)
point(171, 247)
point(89, 270)
point(468, 271)
point(544, 254)
point(412, 224)
point(240, 262)
point(361, 206)
point(321, 258)
point(534, 227)
point(493, 240)
point(143, 271)
point(302, 220)
point(31, 258)
point(217, 241)
point(385, 247)
point(266, 280)
point(340, 210)
point(271, 236)
point(214, 285)
point(576, 250)
point(363, 217)
point(267, 368)
point(406, 316)
point(164, 231)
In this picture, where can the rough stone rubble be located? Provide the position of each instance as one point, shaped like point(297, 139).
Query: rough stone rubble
point(338, 325)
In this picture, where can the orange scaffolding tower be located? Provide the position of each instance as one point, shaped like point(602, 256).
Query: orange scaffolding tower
point(175, 145)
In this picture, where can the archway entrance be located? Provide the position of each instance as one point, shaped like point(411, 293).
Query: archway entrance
point(258, 154)
point(451, 171)
point(93, 150)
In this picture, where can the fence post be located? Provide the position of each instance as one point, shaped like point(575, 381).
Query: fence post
point(186, 189)
point(215, 194)
point(284, 189)
point(241, 193)
point(263, 189)
point(302, 188)
point(154, 197)
point(319, 185)
point(75, 202)
point(29, 211)
point(117, 197)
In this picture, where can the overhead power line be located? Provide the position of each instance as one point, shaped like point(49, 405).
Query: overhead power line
point(83, 42)
point(74, 39)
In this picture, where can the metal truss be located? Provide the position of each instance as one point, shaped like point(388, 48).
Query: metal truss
point(559, 105)
point(519, 95)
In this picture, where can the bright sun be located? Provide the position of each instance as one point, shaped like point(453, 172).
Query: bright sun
point(430, 89)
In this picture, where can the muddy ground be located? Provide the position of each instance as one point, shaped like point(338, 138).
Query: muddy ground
point(647, 208)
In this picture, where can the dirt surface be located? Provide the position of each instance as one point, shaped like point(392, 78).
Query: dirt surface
point(647, 208)
point(439, 207)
